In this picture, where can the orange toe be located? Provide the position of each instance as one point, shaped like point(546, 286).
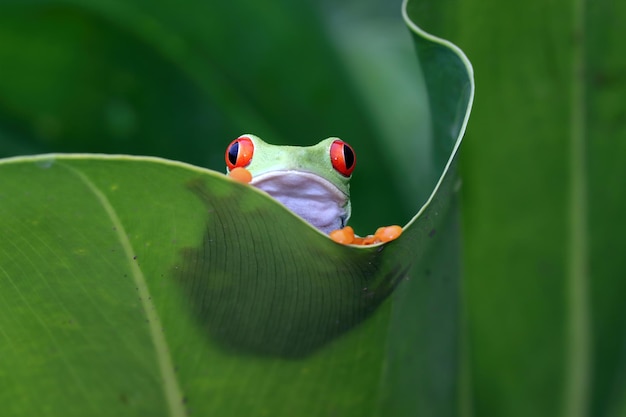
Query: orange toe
point(241, 175)
point(388, 233)
point(344, 236)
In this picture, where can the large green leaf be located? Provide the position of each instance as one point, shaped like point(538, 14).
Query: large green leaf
point(140, 286)
point(543, 201)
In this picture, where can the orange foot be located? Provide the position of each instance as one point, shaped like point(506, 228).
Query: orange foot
point(346, 236)
point(241, 175)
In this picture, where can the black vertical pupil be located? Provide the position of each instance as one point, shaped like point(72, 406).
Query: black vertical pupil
point(233, 152)
point(348, 156)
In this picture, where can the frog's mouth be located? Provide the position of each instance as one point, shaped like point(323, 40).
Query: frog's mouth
point(315, 199)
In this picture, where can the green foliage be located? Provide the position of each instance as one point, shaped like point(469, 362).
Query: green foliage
point(542, 196)
point(543, 169)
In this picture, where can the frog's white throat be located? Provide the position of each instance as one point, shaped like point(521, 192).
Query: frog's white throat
point(310, 196)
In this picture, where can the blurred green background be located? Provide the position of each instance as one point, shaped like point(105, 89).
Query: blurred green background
point(543, 162)
point(152, 78)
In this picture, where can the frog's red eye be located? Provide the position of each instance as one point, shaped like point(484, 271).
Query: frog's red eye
point(342, 157)
point(239, 152)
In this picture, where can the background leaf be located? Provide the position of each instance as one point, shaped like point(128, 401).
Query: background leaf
point(544, 153)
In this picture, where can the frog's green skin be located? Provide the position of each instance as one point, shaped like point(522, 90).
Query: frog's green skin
point(304, 180)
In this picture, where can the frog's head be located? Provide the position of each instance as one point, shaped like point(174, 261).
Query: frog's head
point(312, 181)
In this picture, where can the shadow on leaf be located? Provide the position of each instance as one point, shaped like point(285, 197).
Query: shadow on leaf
point(263, 284)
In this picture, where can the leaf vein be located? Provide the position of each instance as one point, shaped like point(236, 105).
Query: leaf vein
point(171, 387)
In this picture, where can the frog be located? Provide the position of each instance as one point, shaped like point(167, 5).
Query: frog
point(311, 181)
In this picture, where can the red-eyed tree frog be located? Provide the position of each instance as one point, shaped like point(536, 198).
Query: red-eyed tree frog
point(312, 181)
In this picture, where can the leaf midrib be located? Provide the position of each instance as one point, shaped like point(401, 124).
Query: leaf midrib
point(579, 340)
point(170, 385)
